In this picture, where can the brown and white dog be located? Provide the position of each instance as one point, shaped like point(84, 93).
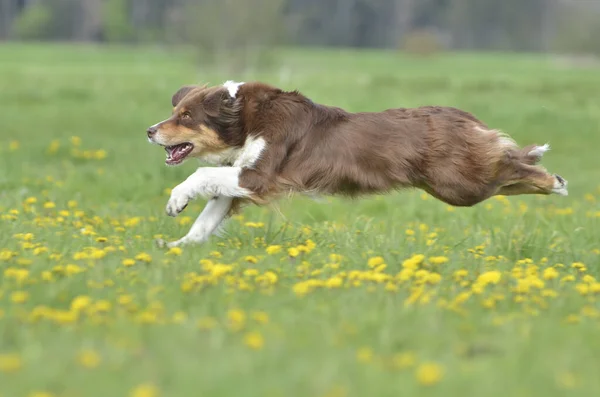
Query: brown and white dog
point(266, 142)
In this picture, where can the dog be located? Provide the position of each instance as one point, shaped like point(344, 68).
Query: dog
point(266, 142)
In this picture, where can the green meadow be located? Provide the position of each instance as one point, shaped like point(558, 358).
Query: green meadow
point(397, 295)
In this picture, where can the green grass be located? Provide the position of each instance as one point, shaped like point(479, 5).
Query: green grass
point(516, 338)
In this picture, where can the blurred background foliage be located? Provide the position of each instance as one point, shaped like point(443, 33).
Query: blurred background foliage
point(242, 33)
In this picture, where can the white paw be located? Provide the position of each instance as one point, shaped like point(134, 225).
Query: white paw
point(177, 202)
point(560, 186)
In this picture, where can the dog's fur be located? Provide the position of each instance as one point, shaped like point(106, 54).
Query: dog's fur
point(268, 142)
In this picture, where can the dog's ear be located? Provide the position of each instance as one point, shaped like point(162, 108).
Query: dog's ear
point(218, 102)
point(181, 93)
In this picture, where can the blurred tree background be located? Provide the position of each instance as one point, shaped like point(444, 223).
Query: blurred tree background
point(242, 32)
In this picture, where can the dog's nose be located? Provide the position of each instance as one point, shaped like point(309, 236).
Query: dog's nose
point(151, 131)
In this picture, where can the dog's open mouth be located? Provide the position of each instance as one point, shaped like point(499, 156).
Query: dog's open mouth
point(177, 153)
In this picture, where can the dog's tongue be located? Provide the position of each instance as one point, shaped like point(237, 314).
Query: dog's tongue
point(176, 153)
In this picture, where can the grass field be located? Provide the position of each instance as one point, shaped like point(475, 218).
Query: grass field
point(387, 296)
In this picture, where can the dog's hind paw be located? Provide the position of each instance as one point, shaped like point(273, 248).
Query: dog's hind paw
point(560, 186)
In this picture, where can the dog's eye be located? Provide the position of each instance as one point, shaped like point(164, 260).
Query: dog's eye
point(186, 115)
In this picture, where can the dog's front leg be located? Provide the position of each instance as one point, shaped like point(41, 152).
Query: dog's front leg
point(207, 222)
point(206, 182)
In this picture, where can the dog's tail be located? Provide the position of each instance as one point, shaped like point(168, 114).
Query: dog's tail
point(532, 154)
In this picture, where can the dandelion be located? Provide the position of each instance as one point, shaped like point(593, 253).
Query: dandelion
point(254, 340)
point(100, 154)
point(404, 360)
point(88, 359)
point(176, 251)
point(19, 297)
point(334, 282)
point(260, 317)
point(75, 141)
point(237, 319)
point(144, 390)
point(49, 205)
point(80, 302)
point(293, 252)
point(375, 261)
point(273, 249)
point(143, 257)
point(438, 260)
point(10, 363)
point(364, 355)
point(550, 273)
point(490, 277)
point(128, 262)
point(429, 373)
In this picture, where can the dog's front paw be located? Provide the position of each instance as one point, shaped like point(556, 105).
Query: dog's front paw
point(177, 202)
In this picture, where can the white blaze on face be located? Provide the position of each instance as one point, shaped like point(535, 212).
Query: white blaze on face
point(232, 87)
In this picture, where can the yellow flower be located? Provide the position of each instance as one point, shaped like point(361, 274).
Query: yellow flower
point(566, 380)
point(251, 272)
point(19, 297)
point(13, 145)
point(260, 317)
point(100, 154)
point(491, 277)
point(429, 373)
point(251, 259)
point(460, 274)
point(334, 282)
point(438, 260)
point(144, 390)
point(49, 205)
point(588, 279)
point(30, 200)
point(335, 258)
point(404, 360)
point(143, 257)
point(364, 355)
point(302, 288)
point(434, 278)
point(80, 302)
point(10, 363)
point(375, 261)
point(583, 289)
point(273, 249)
point(128, 262)
point(89, 358)
point(254, 340)
point(550, 273)
point(237, 319)
point(293, 252)
point(175, 251)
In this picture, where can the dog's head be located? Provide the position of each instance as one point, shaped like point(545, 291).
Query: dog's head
point(205, 122)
